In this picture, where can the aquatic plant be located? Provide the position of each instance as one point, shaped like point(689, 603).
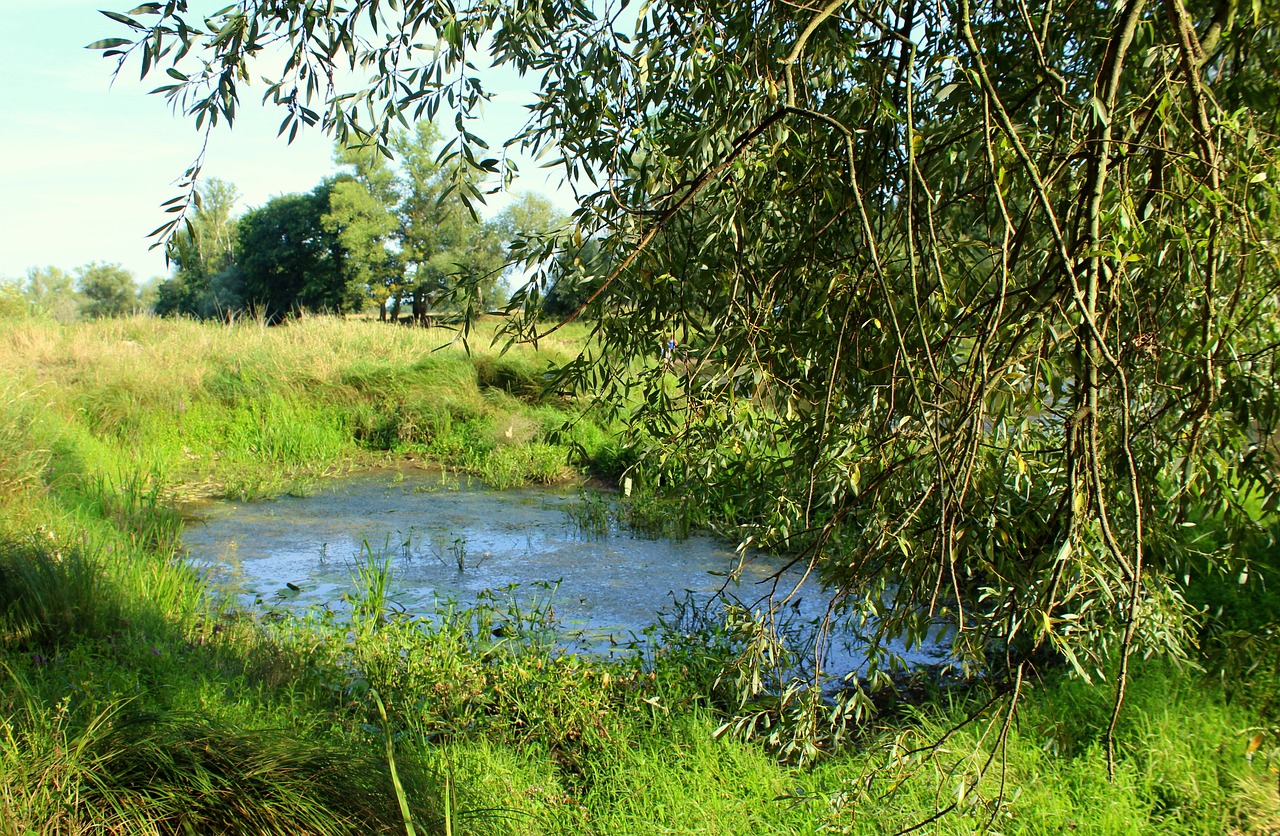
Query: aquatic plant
point(591, 514)
point(371, 575)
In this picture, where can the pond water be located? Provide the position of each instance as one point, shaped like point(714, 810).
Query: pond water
point(450, 541)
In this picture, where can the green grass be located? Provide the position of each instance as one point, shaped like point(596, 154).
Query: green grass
point(132, 700)
point(245, 412)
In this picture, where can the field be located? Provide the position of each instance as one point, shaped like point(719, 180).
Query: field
point(134, 700)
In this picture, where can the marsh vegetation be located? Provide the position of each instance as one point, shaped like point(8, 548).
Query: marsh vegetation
point(136, 699)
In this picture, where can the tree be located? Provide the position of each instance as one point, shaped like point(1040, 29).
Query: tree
point(528, 222)
point(528, 215)
point(205, 283)
point(362, 214)
point(569, 281)
point(107, 290)
point(404, 231)
point(363, 225)
point(451, 259)
point(149, 293)
point(13, 304)
point(50, 292)
point(978, 300)
point(371, 168)
point(290, 262)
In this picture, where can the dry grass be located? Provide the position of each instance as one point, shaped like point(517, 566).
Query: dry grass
point(1257, 800)
point(176, 355)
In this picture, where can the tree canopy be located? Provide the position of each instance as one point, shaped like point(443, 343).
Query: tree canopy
point(107, 290)
point(374, 230)
point(976, 299)
point(49, 291)
point(290, 260)
point(203, 254)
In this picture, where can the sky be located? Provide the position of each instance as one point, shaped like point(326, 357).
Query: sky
point(85, 163)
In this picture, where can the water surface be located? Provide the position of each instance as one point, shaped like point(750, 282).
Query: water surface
point(451, 541)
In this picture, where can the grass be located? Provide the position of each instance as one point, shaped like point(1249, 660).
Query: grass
point(244, 411)
point(133, 701)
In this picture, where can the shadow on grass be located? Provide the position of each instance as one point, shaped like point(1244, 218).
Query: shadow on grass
point(118, 715)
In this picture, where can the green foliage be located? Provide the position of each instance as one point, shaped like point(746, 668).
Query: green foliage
point(976, 309)
point(49, 291)
point(363, 225)
point(570, 281)
point(976, 305)
point(452, 260)
point(12, 302)
point(979, 308)
point(107, 290)
point(528, 215)
point(290, 262)
point(134, 699)
point(205, 283)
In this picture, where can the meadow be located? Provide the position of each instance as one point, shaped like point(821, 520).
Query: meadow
point(135, 699)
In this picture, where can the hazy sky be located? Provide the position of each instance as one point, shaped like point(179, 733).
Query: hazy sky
point(85, 164)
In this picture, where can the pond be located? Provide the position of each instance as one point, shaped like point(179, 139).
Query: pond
point(450, 541)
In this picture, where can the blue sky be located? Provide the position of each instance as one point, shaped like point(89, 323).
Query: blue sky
point(85, 163)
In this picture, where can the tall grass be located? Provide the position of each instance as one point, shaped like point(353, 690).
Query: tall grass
point(245, 411)
point(22, 460)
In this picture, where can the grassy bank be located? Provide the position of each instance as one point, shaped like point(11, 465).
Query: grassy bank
point(131, 701)
point(247, 411)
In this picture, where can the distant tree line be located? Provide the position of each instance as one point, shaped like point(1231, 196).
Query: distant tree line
point(94, 291)
point(396, 236)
